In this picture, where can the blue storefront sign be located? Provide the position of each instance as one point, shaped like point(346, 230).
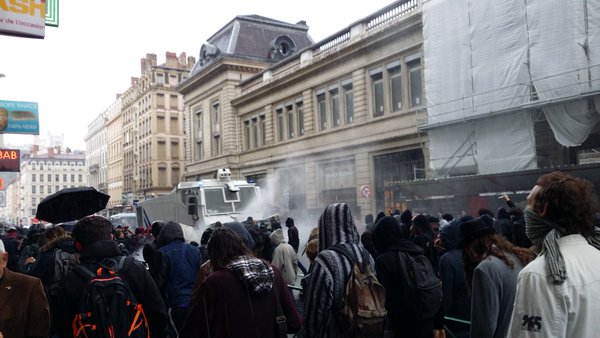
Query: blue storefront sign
point(19, 118)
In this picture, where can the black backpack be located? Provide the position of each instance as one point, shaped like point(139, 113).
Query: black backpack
point(108, 308)
point(63, 263)
point(424, 284)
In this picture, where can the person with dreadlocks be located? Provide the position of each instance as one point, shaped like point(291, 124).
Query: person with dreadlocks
point(491, 265)
point(558, 294)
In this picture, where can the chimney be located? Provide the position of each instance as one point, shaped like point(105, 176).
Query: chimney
point(35, 149)
point(50, 151)
point(171, 60)
point(58, 149)
point(151, 58)
point(147, 62)
point(191, 61)
point(143, 66)
point(182, 58)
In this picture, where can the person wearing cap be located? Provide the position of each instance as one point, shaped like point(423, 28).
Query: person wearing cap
point(492, 265)
point(24, 310)
point(558, 294)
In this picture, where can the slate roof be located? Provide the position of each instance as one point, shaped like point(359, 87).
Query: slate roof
point(251, 36)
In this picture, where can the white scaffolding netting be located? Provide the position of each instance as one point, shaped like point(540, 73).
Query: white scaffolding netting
point(494, 58)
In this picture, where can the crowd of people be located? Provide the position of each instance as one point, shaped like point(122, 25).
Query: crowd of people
point(532, 272)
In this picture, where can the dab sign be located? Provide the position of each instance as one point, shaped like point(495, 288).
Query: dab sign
point(10, 160)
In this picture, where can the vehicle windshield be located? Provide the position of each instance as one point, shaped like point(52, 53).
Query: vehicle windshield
point(247, 197)
point(215, 202)
point(127, 220)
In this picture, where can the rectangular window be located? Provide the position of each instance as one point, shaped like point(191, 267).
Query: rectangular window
point(198, 134)
point(49, 189)
point(162, 150)
point(174, 102)
point(416, 89)
point(280, 124)
point(41, 189)
point(49, 177)
point(160, 78)
point(216, 117)
point(377, 93)
point(33, 189)
point(160, 100)
point(80, 178)
point(199, 153)
point(56, 188)
point(216, 146)
point(56, 177)
point(290, 120)
point(175, 176)
point(322, 108)
point(72, 177)
point(395, 85)
point(300, 116)
point(41, 177)
point(263, 130)
point(246, 134)
point(348, 102)
point(173, 79)
point(33, 177)
point(254, 132)
point(334, 98)
point(174, 150)
point(174, 125)
point(160, 124)
point(64, 177)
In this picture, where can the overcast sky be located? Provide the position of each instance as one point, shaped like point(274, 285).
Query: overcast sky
point(76, 71)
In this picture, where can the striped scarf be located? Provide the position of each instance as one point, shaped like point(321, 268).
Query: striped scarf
point(544, 234)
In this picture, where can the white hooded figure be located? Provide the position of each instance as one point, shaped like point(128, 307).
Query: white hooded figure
point(284, 257)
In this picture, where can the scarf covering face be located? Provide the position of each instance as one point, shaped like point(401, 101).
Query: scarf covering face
point(544, 234)
point(257, 275)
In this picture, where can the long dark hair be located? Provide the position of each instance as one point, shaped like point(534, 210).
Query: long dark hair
point(223, 246)
point(495, 245)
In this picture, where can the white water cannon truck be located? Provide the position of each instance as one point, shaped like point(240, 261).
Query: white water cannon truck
point(197, 205)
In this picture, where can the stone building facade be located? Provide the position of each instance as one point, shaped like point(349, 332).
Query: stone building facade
point(327, 123)
point(46, 171)
point(96, 153)
point(114, 140)
point(152, 128)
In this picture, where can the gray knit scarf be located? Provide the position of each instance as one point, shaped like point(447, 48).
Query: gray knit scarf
point(544, 234)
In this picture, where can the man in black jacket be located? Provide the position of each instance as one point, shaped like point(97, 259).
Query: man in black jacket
point(93, 239)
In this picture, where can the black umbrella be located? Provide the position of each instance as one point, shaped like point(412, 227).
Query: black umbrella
point(71, 204)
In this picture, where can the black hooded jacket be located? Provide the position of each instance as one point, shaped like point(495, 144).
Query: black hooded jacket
point(388, 240)
point(456, 302)
point(44, 267)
